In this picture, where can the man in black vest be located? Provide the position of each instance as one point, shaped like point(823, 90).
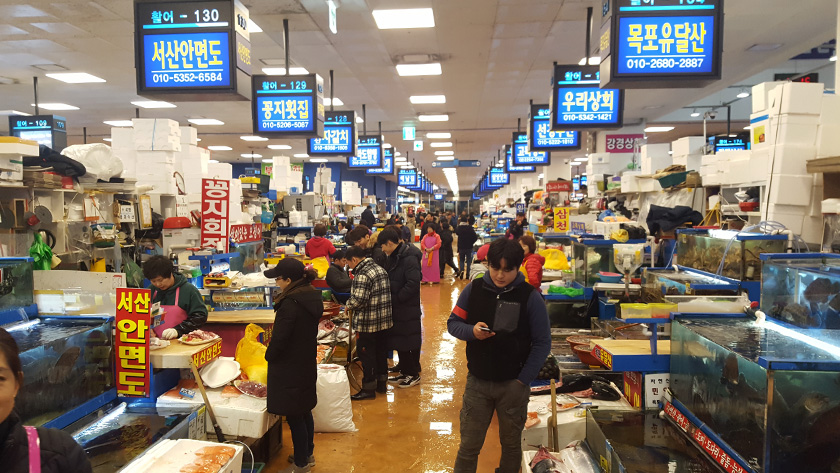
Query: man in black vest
point(505, 324)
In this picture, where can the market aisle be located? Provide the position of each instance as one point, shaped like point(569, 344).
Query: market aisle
point(416, 429)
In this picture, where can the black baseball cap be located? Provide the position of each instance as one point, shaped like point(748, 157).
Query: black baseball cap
point(286, 268)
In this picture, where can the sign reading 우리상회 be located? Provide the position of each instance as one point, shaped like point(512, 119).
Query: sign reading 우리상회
point(288, 106)
point(215, 196)
point(663, 44)
point(578, 101)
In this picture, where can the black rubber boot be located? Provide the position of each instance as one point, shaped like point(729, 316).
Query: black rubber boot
point(382, 384)
point(364, 394)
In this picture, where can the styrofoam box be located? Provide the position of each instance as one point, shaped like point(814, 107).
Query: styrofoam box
point(792, 222)
point(712, 179)
point(219, 171)
point(649, 185)
point(158, 126)
point(709, 160)
point(189, 135)
point(732, 155)
point(830, 111)
point(800, 130)
point(122, 137)
point(688, 145)
point(828, 140)
point(656, 151)
point(815, 206)
point(599, 168)
point(652, 164)
point(797, 98)
point(760, 95)
point(692, 162)
point(790, 189)
point(812, 230)
point(173, 455)
point(599, 158)
point(760, 163)
point(629, 183)
point(155, 157)
point(739, 171)
point(18, 148)
point(790, 159)
point(708, 170)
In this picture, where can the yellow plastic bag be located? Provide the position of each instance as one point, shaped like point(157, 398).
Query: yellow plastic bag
point(555, 260)
point(250, 354)
point(321, 265)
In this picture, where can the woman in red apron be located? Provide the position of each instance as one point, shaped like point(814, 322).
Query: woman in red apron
point(25, 449)
point(183, 307)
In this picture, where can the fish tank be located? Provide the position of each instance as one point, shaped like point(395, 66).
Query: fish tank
point(770, 392)
point(740, 252)
point(591, 257)
point(67, 361)
point(685, 281)
point(802, 289)
point(115, 436)
point(17, 287)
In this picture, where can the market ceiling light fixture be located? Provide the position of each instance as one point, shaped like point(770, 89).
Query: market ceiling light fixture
point(744, 93)
point(318, 160)
point(251, 155)
point(335, 101)
point(695, 113)
point(404, 18)
point(56, 106)
point(421, 99)
point(75, 77)
point(281, 71)
point(441, 144)
point(220, 148)
point(213, 161)
point(253, 27)
point(444, 153)
point(434, 118)
point(279, 147)
point(205, 121)
point(593, 61)
point(446, 158)
point(252, 138)
point(153, 104)
point(430, 69)
point(658, 129)
point(441, 135)
point(359, 119)
point(119, 122)
point(301, 155)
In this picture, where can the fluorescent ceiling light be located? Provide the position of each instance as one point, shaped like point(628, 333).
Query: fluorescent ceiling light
point(205, 121)
point(359, 119)
point(441, 144)
point(318, 160)
point(107, 139)
point(695, 113)
point(418, 99)
point(397, 154)
point(153, 104)
point(220, 148)
point(279, 147)
point(56, 106)
point(400, 160)
point(253, 27)
point(439, 135)
point(75, 77)
point(387, 145)
point(658, 129)
point(198, 139)
point(444, 153)
point(268, 160)
point(593, 61)
point(281, 71)
point(337, 102)
point(431, 69)
point(434, 118)
point(748, 127)
point(404, 18)
point(252, 138)
point(119, 122)
point(14, 112)
point(581, 160)
point(446, 158)
point(833, 58)
point(301, 155)
point(407, 166)
point(251, 155)
point(744, 93)
point(213, 161)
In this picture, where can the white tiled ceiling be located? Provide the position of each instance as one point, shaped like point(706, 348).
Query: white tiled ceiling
point(496, 56)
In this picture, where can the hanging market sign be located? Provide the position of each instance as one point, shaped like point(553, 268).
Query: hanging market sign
point(215, 195)
point(499, 177)
point(623, 143)
point(663, 44)
point(47, 130)
point(407, 178)
point(189, 50)
point(387, 163)
point(288, 106)
point(368, 153)
point(340, 135)
point(579, 102)
point(521, 155)
point(511, 167)
point(540, 136)
point(133, 324)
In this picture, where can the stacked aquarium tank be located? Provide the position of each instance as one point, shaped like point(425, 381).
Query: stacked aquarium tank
point(802, 289)
point(740, 252)
point(770, 392)
point(684, 281)
point(16, 288)
point(590, 258)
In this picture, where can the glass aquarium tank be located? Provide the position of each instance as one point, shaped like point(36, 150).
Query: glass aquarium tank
point(770, 392)
point(802, 289)
point(66, 362)
point(16, 283)
point(684, 281)
point(590, 258)
point(739, 252)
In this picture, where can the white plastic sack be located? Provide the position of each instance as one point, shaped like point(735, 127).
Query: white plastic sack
point(334, 412)
point(99, 162)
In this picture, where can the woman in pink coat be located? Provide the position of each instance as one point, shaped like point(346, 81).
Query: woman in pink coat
point(430, 264)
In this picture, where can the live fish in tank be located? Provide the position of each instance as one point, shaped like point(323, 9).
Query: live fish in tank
point(64, 366)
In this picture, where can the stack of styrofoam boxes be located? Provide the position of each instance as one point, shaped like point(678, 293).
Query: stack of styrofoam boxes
point(296, 178)
point(280, 174)
point(828, 134)
point(709, 170)
point(629, 181)
point(733, 167)
point(785, 134)
point(655, 158)
point(688, 152)
point(122, 146)
point(157, 143)
point(12, 151)
point(191, 158)
point(350, 193)
point(235, 213)
point(219, 171)
point(323, 181)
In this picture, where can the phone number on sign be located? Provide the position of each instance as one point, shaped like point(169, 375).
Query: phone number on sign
point(283, 125)
point(188, 77)
point(587, 117)
point(684, 63)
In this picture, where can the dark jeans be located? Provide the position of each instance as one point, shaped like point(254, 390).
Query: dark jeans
point(464, 259)
point(373, 353)
point(303, 437)
point(409, 362)
point(509, 399)
point(446, 259)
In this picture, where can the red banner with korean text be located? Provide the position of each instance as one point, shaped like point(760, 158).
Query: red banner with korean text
point(132, 342)
point(246, 233)
point(558, 186)
point(215, 199)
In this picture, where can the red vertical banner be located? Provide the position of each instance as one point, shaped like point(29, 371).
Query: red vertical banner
point(215, 199)
point(133, 335)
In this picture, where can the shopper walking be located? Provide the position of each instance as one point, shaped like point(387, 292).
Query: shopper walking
point(370, 301)
point(318, 246)
point(466, 240)
point(517, 227)
point(411, 223)
point(505, 324)
point(367, 219)
point(533, 262)
point(447, 254)
point(430, 246)
point(21, 448)
point(406, 334)
point(292, 369)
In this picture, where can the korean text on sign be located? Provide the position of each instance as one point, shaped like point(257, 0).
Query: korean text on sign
point(587, 105)
point(335, 139)
point(546, 137)
point(561, 219)
point(187, 59)
point(207, 354)
point(666, 45)
point(132, 343)
point(285, 113)
point(215, 196)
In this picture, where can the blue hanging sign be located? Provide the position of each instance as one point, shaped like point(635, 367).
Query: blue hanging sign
point(340, 135)
point(540, 136)
point(387, 163)
point(523, 157)
point(407, 178)
point(499, 177)
point(510, 167)
point(47, 130)
point(368, 153)
point(579, 102)
point(288, 106)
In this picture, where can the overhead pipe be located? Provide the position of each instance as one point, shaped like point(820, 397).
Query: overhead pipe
point(286, 44)
point(332, 91)
point(364, 120)
point(588, 35)
point(35, 86)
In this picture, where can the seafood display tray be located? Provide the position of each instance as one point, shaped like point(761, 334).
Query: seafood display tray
point(739, 252)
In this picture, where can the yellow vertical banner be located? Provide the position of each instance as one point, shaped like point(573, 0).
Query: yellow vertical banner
point(561, 219)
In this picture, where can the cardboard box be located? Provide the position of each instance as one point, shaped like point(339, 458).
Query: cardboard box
point(760, 95)
point(688, 145)
point(790, 159)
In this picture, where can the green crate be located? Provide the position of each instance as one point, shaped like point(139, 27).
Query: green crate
point(674, 179)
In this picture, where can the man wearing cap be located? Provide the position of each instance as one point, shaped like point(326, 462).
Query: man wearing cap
point(370, 301)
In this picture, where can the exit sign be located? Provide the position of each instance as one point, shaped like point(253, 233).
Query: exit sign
point(409, 133)
point(418, 145)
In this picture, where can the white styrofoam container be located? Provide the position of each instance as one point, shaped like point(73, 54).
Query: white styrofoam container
point(708, 170)
point(712, 179)
point(799, 130)
point(739, 171)
point(812, 230)
point(830, 111)
point(798, 98)
point(649, 185)
point(815, 206)
point(122, 137)
point(790, 189)
point(692, 162)
point(17, 147)
point(173, 455)
point(605, 228)
point(709, 159)
point(790, 159)
point(599, 158)
point(155, 157)
point(219, 171)
point(732, 155)
point(688, 145)
point(656, 151)
point(652, 164)
point(760, 163)
point(598, 168)
point(629, 183)
point(828, 140)
point(189, 135)
point(760, 95)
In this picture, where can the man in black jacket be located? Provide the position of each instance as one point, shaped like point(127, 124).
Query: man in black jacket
point(517, 227)
point(446, 254)
point(466, 239)
point(337, 278)
point(367, 217)
point(406, 334)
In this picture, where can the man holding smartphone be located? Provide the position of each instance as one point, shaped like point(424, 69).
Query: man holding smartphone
point(505, 324)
